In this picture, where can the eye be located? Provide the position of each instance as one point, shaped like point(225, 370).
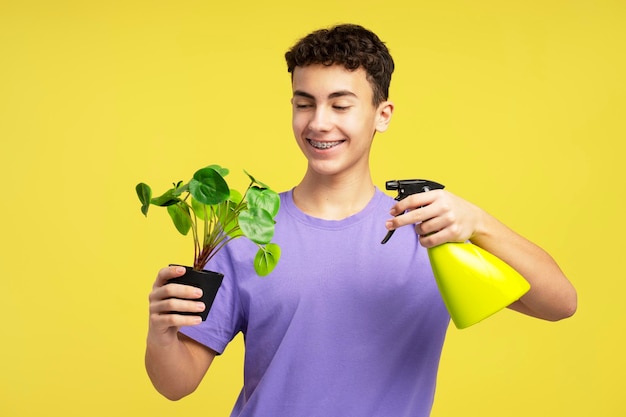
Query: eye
point(342, 105)
point(303, 106)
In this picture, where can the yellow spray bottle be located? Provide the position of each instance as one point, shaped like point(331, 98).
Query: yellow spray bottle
point(473, 283)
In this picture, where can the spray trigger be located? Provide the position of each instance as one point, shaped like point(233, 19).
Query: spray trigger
point(407, 187)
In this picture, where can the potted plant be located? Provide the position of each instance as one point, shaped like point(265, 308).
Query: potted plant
point(216, 214)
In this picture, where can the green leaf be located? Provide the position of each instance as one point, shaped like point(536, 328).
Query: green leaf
point(227, 208)
point(180, 216)
point(200, 209)
point(227, 217)
point(266, 259)
point(264, 198)
point(223, 212)
point(168, 198)
point(255, 181)
point(144, 192)
point(208, 187)
point(235, 196)
point(257, 224)
point(222, 171)
point(180, 188)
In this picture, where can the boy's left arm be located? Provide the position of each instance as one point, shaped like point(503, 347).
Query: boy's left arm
point(551, 295)
point(443, 217)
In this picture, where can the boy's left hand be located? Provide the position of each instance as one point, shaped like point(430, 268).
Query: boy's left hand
point(439, 217)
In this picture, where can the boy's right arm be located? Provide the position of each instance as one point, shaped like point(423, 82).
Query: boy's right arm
point(175, 363)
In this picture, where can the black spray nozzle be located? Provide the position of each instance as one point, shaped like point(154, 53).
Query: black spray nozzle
point(406, 188)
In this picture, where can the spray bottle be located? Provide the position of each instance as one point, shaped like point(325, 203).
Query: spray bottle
point(473, 283)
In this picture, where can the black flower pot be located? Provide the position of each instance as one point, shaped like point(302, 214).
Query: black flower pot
point(208, 281)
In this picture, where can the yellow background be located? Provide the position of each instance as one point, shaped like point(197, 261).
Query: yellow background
point(517, 106)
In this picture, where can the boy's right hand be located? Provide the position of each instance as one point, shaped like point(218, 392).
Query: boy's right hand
point(165, 298)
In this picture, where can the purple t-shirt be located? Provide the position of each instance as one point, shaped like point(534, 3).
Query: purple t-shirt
point(344, 326)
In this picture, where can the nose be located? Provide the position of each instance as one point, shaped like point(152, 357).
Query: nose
point(321, 120)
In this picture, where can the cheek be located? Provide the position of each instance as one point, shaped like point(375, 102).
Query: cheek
point(294, 124)
point(359, 125)
point(298, 122)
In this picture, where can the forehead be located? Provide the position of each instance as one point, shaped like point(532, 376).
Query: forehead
point(322, 81)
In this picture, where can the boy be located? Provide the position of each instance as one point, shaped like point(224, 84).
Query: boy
point(344, 326)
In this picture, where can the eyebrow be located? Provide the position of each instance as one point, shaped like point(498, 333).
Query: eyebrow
point(336, 94)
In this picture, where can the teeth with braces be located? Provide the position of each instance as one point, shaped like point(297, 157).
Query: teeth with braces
point(324, 145)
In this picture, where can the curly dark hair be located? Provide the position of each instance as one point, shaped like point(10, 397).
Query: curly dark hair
point(349, 45)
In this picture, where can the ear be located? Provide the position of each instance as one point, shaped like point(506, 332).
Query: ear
point(383, 118)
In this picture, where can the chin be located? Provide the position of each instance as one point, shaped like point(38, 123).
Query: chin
point(325, 168)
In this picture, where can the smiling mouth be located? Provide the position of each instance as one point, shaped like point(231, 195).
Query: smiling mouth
point(324, 145)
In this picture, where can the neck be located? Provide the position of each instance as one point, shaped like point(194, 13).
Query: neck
point(333, 198)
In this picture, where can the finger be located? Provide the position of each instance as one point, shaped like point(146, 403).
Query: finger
point(415, 201)
point(169, 321)
point(431, 225)
point(428, 241)
point(176, 305)
point(432, 236)
point(175, 291)
point(418, 215)
point(167, 273)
